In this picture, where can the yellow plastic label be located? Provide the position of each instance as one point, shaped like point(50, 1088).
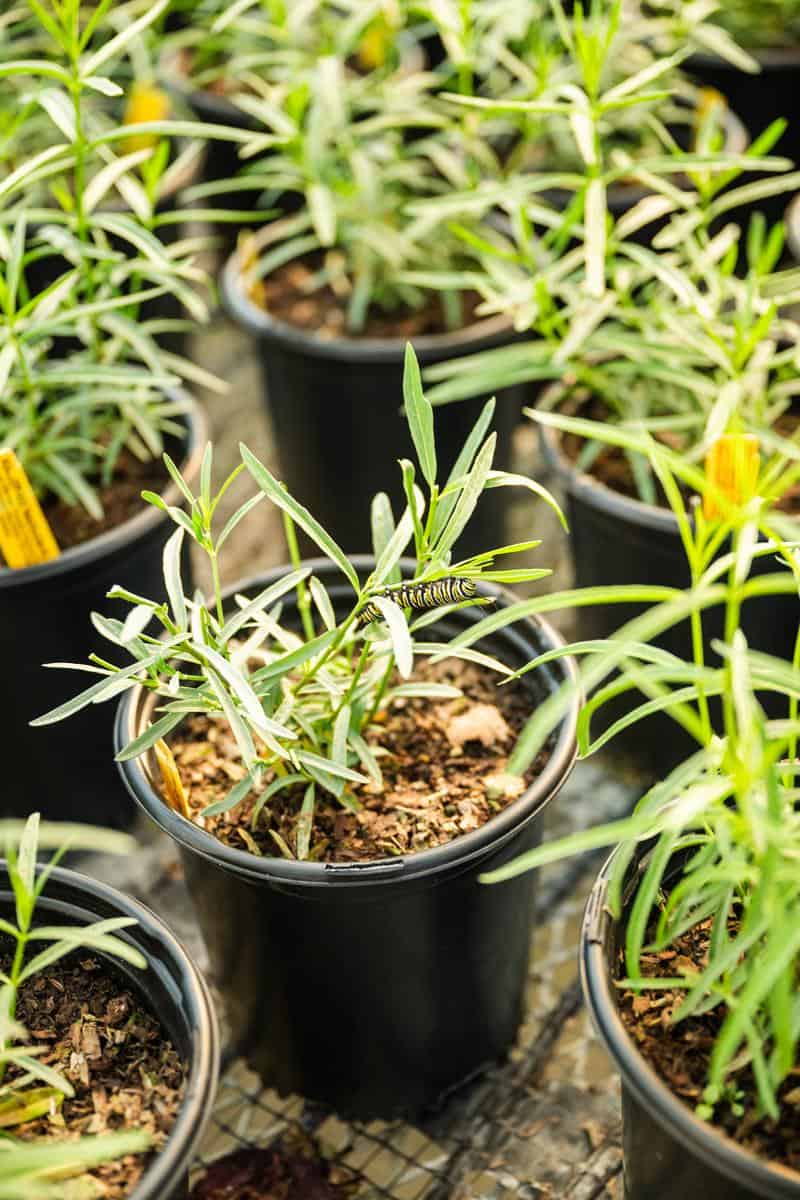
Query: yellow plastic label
point(174, 791)
point(375, 46)
point(145, 103)
point(25, 537)
point(732, 468)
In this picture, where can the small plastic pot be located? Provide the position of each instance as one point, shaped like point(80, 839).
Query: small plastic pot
point(374, 988)
point(336, 408)
point(173, 989)
point(64, 770)
point(670, 1154)
point(759, 99)
point(614, 541)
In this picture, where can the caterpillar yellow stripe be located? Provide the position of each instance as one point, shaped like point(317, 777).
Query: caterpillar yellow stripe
point(452, 590)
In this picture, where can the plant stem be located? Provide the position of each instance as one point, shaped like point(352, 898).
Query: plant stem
point(16, 970)
point(303, 602)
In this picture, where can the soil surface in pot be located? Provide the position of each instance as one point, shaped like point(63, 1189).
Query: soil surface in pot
point(281, 1173)
point(613, 469)
point(681, 1053)
point(121, 499)
point(289, 294)
point(100, 1036)
point(442, 764)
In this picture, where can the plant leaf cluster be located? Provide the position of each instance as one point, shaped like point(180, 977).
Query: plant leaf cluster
point(299, 689)
point(86, 251)
point(360, 156)
point(717, 839)
point(665, 314)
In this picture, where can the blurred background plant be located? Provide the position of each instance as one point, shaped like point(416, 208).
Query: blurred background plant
point(761, 23)
point(93, 293)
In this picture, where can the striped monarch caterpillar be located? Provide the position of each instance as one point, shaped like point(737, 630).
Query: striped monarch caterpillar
point(451, 590)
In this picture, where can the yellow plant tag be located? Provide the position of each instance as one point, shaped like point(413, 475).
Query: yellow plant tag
point(174, 791)
point(375, 44)
point(732, 467)
point(145, 103)
point(709, 101)
point(25, 536)
point(248, 256)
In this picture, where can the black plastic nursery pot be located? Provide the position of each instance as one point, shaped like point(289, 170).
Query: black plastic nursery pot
point(617, 541)
point(172, 988)
point(374, 988)
point(65, 770)
point(670, 1154)
point(336, 407)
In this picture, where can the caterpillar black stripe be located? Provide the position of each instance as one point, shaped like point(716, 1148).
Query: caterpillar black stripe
point(452, 590)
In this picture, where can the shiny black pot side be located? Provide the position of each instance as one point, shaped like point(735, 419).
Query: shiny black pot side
point(374, 988)
point(172, 988)
point(670, 1154)
point(65, 771)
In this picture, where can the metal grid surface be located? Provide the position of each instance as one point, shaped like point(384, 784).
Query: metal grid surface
point(544, 1125)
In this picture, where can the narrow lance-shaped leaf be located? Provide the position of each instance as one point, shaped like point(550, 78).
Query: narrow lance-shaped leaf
point(279, 496)
point(419, 414)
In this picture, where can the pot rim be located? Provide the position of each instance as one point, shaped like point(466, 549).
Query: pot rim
point(596, 494)
point(178, 80)
point(714, 1148)
point(195, 1005)
point(425, 863)
point(481, 335)
point(135, 527)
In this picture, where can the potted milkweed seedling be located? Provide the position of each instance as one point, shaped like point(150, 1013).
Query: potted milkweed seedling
point(669, 339)
point(109, 1093)
point(327, 289)
point(90, 396)
point(333, 768)
point(690, 943)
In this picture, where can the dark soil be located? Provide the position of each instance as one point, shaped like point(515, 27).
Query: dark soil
point(125, 1072)
point(121, 499)
point(440, 761)
point(289, 295)
point(681, 1053)
point(275, 1174)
